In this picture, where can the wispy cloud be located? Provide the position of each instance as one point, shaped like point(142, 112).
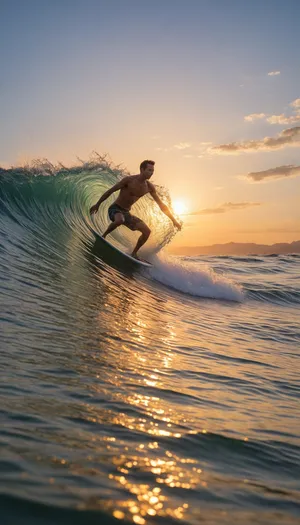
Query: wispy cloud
point(287, 229)
point(283, 119)
point(295, 103)
point(273, 73)
point(162, 149)
point(280, 172)
point(226, 207)
point(254, 116)
point(182, 145)
point(288, 137)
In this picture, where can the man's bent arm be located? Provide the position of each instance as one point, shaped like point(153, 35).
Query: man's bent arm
point(108, 193)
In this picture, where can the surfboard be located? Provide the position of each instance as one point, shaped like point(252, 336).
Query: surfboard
point(139, 262)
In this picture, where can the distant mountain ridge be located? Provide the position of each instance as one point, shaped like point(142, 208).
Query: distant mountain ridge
point(237, 248)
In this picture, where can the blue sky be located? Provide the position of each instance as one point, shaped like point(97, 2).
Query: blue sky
point(170, 80)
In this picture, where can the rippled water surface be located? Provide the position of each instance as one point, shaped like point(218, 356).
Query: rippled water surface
point(163, 396)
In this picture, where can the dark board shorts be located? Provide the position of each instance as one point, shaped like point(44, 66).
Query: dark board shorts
point(131, 221)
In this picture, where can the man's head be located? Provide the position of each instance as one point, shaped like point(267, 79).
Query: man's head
point(147, 168)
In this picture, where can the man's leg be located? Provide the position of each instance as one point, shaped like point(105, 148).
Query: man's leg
point(142, 227)
point(118, 220)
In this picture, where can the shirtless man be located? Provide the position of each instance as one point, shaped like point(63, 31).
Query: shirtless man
point(131, 189)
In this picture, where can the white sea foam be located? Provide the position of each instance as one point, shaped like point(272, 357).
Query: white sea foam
point(193, 279)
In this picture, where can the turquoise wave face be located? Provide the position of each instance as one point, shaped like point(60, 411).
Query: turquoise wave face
point(46, 198)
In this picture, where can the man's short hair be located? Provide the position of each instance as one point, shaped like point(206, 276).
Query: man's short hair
point(145, 163)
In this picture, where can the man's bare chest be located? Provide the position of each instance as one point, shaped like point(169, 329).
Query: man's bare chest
point(136, 189)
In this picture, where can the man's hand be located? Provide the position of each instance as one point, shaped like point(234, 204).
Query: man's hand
point(94, 208)
point(177, 224)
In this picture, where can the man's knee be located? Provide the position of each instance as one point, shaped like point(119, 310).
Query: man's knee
point(146, 232)
point(119, 219)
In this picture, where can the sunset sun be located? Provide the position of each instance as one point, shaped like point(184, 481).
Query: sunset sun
point(179, 206)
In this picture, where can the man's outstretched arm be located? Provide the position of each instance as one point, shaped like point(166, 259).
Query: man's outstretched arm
point(163, 206)
point(107, 194)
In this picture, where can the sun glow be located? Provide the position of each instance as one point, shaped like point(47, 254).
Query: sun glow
point(179, 206)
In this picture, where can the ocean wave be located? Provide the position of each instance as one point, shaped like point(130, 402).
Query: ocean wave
point(194, 280)
point(273, 295)
point(42, 194)
point(51, 202)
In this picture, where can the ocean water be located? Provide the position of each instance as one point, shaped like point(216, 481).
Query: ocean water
point(160, 396)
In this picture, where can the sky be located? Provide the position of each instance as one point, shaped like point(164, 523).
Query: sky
point(209, 89)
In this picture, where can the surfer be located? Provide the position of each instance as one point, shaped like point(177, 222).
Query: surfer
point(131, 189)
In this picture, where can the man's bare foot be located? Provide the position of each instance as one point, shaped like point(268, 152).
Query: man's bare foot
point(135, 256)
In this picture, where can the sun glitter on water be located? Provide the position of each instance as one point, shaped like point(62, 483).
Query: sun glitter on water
point(179, 206)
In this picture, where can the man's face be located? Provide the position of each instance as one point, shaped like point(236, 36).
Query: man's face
point(148, 171)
